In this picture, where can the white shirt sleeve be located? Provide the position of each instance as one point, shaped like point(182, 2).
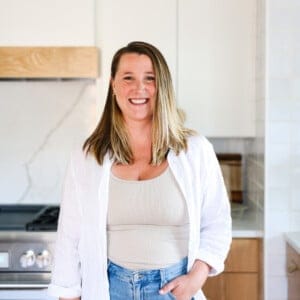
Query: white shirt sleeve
point(66, 279)
point(215, 227)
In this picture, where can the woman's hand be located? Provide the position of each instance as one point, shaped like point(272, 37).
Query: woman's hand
point(186, 286)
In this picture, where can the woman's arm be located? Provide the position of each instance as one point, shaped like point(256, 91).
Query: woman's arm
point(65, 277)
point(215, 231)
point(215, 226)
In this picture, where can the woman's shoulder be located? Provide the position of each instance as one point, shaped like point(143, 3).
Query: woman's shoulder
point(82, 161)
point(200, 152)
point(199, 142)
point(78, 156)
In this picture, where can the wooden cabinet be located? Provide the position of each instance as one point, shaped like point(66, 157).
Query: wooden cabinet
point(49, 62)
point(242, 277)
point(293, 273)
point(216, 66)
point(214, 288)
point(241, 286)
point(243, 256)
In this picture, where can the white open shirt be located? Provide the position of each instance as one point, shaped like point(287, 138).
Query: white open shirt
point(80, 265)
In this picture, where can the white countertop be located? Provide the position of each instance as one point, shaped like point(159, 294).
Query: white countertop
point(250, 225)
point(293, 239)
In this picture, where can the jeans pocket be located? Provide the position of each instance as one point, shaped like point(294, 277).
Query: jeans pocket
point(172, 297)
point(169, 295)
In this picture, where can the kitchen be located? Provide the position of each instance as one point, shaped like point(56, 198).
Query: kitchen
point(257, 74)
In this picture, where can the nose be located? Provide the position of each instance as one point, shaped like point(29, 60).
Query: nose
point(140, 85)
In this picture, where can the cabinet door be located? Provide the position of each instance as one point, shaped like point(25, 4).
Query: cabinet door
point(47, 22)
point(216, 66)
point(293, 273)
point(232, 286)
point(214, 288)
point(241, 286)
point(243, 256)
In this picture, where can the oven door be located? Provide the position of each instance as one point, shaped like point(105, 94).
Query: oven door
point(25, 286)
point(25, 294)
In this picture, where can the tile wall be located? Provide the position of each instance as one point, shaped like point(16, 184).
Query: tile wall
point(282, 204)
point(255, 154)
point(241, 146)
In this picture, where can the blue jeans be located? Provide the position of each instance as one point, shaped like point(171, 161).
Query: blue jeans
point(125, 284)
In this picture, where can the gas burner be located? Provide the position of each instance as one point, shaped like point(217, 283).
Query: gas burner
point(46, 220)
point(28, 217)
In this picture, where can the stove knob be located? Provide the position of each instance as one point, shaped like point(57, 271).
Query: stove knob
point(43, 259)
point(27, 259)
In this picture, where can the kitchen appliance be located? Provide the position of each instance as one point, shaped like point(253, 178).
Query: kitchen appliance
point(231, 166)
point(27, 237)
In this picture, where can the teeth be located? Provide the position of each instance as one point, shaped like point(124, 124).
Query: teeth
point(138, 101)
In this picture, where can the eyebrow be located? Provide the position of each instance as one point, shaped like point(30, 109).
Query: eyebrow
point(129, 72)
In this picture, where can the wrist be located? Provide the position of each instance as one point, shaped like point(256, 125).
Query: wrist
point(200, 268)
point(198, 275)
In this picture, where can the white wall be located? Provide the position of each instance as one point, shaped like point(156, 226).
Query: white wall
point(282, 203)
point(47, 22)
point(42, 121)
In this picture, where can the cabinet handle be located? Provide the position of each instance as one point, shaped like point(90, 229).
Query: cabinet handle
point(292, 267)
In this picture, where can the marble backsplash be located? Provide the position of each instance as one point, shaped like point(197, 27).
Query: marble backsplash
point(40, 123)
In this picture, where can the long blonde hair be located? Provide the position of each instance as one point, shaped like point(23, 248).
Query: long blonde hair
point(168, 131)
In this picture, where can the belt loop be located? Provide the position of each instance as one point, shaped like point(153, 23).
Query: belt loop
point(136, 276)
point(163, 279)
point(108, 263)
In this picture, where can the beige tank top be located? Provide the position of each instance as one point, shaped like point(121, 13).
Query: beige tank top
point(147, 222)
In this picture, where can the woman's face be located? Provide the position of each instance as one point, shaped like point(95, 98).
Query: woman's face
point(134, 87)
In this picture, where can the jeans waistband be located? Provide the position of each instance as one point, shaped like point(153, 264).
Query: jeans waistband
point(148, 275)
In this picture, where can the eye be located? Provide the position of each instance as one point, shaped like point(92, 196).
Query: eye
point(128, 78)
point(150, 78)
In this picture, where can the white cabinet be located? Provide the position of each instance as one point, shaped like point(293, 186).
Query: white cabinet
point(216, 66)
point(47, 23)
point(120, 22)
point(209, 46)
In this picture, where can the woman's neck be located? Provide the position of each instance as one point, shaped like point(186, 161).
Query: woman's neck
point(140, 139)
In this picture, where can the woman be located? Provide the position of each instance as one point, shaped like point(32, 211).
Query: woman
point(144, 213)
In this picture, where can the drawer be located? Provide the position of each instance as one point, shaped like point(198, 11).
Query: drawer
point(241, 286)
point(244, 256)
point(293, 262)
point(293, 273)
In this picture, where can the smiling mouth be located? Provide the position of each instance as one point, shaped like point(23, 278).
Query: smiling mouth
point(138, 101)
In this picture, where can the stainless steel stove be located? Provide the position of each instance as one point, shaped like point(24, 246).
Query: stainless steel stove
point(27, 237)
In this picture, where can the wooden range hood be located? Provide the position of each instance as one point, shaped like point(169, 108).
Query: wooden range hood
point(49, 62)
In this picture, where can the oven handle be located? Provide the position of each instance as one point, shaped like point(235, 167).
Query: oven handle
point(23, 286)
